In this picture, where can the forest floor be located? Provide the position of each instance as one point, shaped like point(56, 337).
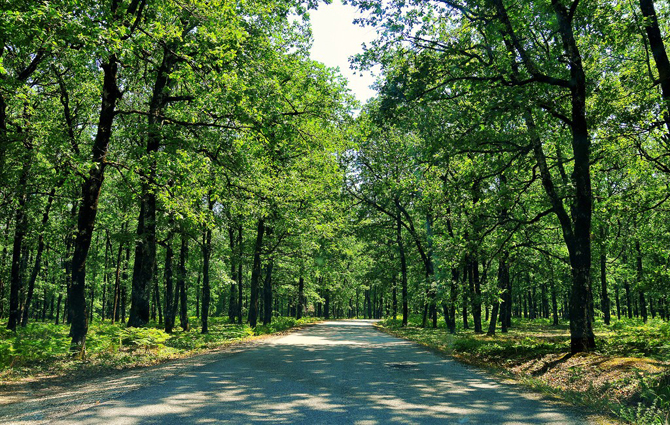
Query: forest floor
point(35, 360)
point(628, 377)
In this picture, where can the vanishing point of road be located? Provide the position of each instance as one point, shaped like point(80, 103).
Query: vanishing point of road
point(339, 372)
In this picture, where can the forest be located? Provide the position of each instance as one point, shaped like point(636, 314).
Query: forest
point(183, 171)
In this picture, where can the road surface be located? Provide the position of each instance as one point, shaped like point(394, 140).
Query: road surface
point(340, 372)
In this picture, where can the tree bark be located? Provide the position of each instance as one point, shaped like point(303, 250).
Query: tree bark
point(643, 301)
point(206, 290)
point(197, 294)
point(327, 306)
point(232, 302)
point(2, 267)
point(108, 247)
point(90, 190)
point(240, 288)
point(38, 257)
point(394, 285)
point(464, 297)
point(503, 279)
point(117, 284)
point(545, 300)
point(576, 229)
point(144, 269)
point(181, 283)
point(267, 293)
point(618, 301)
point(255, 274)
point(450, 310)
point(170, 294)
point(476, 293)
point(604, 296)
point(655, 38)
point(144, 266)
point(403, 271)
point(20, 229)
point(301, 296)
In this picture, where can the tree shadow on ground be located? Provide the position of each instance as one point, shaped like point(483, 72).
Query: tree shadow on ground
point(339, 372)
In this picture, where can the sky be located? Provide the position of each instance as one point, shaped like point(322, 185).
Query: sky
point(336, 38)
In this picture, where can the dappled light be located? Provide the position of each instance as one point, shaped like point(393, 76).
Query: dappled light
point(337, 372)
point(185, 183)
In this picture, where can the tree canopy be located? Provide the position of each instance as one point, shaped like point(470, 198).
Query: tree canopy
point(174, 160)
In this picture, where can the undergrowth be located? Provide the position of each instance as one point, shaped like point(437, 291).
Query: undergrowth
point(44, 347)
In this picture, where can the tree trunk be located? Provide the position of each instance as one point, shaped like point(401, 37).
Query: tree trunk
point(117, 285)
point(240, 288)
point(508, 315)
point(93, 280)
point(170, 294)
point(16, 280)
point(206, 290)
point(475, 288)
point(604, 296)
point(403, 271)
point(581, 317)
point(232, 302)
point(545, 301)
point(301, 295)
point(255, 274)
point(2, 266)
point(466, 273)
point(655, 38)
point(267, 292)
point(145, 253)
point(38, 257)
point(144, 269)
point(450, 311)
point(358, 298)
point(395, 295)
point(105, 276)
point(618, 302)
point(197, 294)
point(503, 278)
point(157, 297)
point(45, 303)
point(60, 299)
point(181, 283)
point(90, 192)
point(576, 229)
point(643, 302)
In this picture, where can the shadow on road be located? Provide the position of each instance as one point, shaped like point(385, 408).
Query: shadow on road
point(337, 372)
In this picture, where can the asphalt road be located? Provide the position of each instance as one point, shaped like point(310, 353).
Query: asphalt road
point(343, 372)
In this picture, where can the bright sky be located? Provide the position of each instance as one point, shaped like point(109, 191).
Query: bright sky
point(336, 38)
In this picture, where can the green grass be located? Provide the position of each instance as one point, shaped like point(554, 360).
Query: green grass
point(44, 347)
point(628, 377)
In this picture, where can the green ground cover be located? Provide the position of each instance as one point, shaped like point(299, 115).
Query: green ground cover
point(43, 348)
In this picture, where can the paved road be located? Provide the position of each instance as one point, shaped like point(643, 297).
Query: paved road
point(341, 372)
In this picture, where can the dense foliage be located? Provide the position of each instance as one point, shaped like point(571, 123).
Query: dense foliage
point(160, 160)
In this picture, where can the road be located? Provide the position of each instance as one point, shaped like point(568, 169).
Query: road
point(340, 372)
